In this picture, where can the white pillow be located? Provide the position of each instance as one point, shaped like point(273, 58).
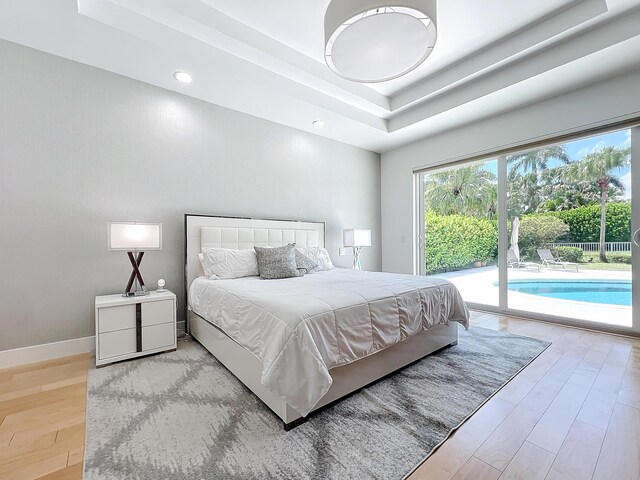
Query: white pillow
point(225, 263)
point(320, 256)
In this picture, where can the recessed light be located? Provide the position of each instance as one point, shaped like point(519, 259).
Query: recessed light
point(182, 77)
point(318, 123)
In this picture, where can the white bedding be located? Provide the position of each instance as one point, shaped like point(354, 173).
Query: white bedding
point(302, 327)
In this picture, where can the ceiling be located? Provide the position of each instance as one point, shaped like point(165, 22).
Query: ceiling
point(265, 58)
point(299, 24)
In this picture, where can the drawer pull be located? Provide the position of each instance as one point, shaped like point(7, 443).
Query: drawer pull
point(138, 327)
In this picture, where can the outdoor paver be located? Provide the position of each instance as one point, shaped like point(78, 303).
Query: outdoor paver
point(480, 285)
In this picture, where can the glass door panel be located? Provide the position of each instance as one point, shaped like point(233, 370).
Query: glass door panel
point(460, 243)
point(569, 215)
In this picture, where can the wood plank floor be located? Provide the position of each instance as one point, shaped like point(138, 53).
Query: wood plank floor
point(42, 419)
point(573, 413)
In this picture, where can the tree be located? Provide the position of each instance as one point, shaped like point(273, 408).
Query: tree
point(536, 160)
point(599, 168)
point(570, 196)
point(470, 191)
point(536, 231)
point(526, 170)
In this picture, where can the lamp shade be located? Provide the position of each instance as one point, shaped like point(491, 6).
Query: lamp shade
point(375, 41)
point(133, 236)
point(356, 237)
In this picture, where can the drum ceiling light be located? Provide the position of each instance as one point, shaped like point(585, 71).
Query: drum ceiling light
point(369, 41)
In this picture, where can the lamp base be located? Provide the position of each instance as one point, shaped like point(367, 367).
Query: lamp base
point(137, 293)
point(140, 289)
point(356, 259)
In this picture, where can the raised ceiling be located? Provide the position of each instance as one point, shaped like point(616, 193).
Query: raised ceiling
point(464, 26)
point(265, 58)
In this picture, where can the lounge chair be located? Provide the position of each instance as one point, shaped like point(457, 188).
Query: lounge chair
point(548, 260)
point(514, 262)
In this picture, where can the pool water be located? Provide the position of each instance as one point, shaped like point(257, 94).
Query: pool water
point(610, 292)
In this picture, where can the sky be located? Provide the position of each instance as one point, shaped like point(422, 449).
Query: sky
point(579, 148)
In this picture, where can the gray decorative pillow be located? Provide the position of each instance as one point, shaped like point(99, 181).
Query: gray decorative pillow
point(304, 263)
point(278, 262)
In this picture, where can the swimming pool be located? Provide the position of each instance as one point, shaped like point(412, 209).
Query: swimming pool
point(614, 292)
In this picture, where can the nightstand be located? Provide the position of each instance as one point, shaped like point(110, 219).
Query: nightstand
point(129, 327)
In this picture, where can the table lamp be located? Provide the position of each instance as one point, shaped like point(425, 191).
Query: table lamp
point(135, 239)
point(356, 238)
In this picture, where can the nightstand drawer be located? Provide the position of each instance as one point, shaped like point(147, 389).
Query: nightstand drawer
point(116, 318)
point(156, 336)
point(121, 342)
point(130, 327)
point(154, 313)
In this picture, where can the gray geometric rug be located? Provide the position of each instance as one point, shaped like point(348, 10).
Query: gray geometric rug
point(182, 415)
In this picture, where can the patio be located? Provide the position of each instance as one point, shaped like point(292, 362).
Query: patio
point(479, 285)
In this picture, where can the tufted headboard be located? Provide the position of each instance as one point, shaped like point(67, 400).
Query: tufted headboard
point(242, 233)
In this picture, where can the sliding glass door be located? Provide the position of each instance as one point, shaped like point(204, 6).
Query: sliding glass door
point(546, 232)
point(569, 209)
point(461, 229)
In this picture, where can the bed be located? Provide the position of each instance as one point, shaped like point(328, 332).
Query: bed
point(302, 343)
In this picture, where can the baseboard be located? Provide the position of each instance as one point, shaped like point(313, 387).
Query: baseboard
point(47, 351)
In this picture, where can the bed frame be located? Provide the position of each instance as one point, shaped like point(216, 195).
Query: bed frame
point(243, 233)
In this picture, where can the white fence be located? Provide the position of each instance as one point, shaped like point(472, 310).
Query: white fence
point(595, 246)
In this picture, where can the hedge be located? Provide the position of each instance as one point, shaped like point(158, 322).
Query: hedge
point(568, 254)
point(584, 222)
point(455, 241)
point(538, 230)
point(619, 257)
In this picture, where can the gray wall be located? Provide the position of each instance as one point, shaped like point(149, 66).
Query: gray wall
point(80, 147)
point(614, 99)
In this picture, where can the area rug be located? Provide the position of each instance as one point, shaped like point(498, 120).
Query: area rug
point(182, 416)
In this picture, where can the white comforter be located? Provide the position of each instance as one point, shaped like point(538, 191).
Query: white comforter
point(302, 327)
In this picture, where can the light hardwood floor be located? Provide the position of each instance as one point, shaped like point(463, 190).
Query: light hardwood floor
point(42, 419)
point(573, 413)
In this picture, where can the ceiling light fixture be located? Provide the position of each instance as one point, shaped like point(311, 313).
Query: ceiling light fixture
point(318, 123)
point(182, 77)
point(367, 41)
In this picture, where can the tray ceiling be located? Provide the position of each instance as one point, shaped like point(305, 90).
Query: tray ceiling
point(265, 57)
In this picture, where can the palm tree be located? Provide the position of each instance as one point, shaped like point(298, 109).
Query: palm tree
point(525, 172)
point(536, 160)
point(468, 191)
point(599, 168)
point(491, 200)
point(524, 194)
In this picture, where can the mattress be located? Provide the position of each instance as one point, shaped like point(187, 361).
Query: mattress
point(301, 328)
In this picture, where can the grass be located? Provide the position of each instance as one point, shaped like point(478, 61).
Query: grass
point(584, 264)
point(596, 264)
point(617, 267)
